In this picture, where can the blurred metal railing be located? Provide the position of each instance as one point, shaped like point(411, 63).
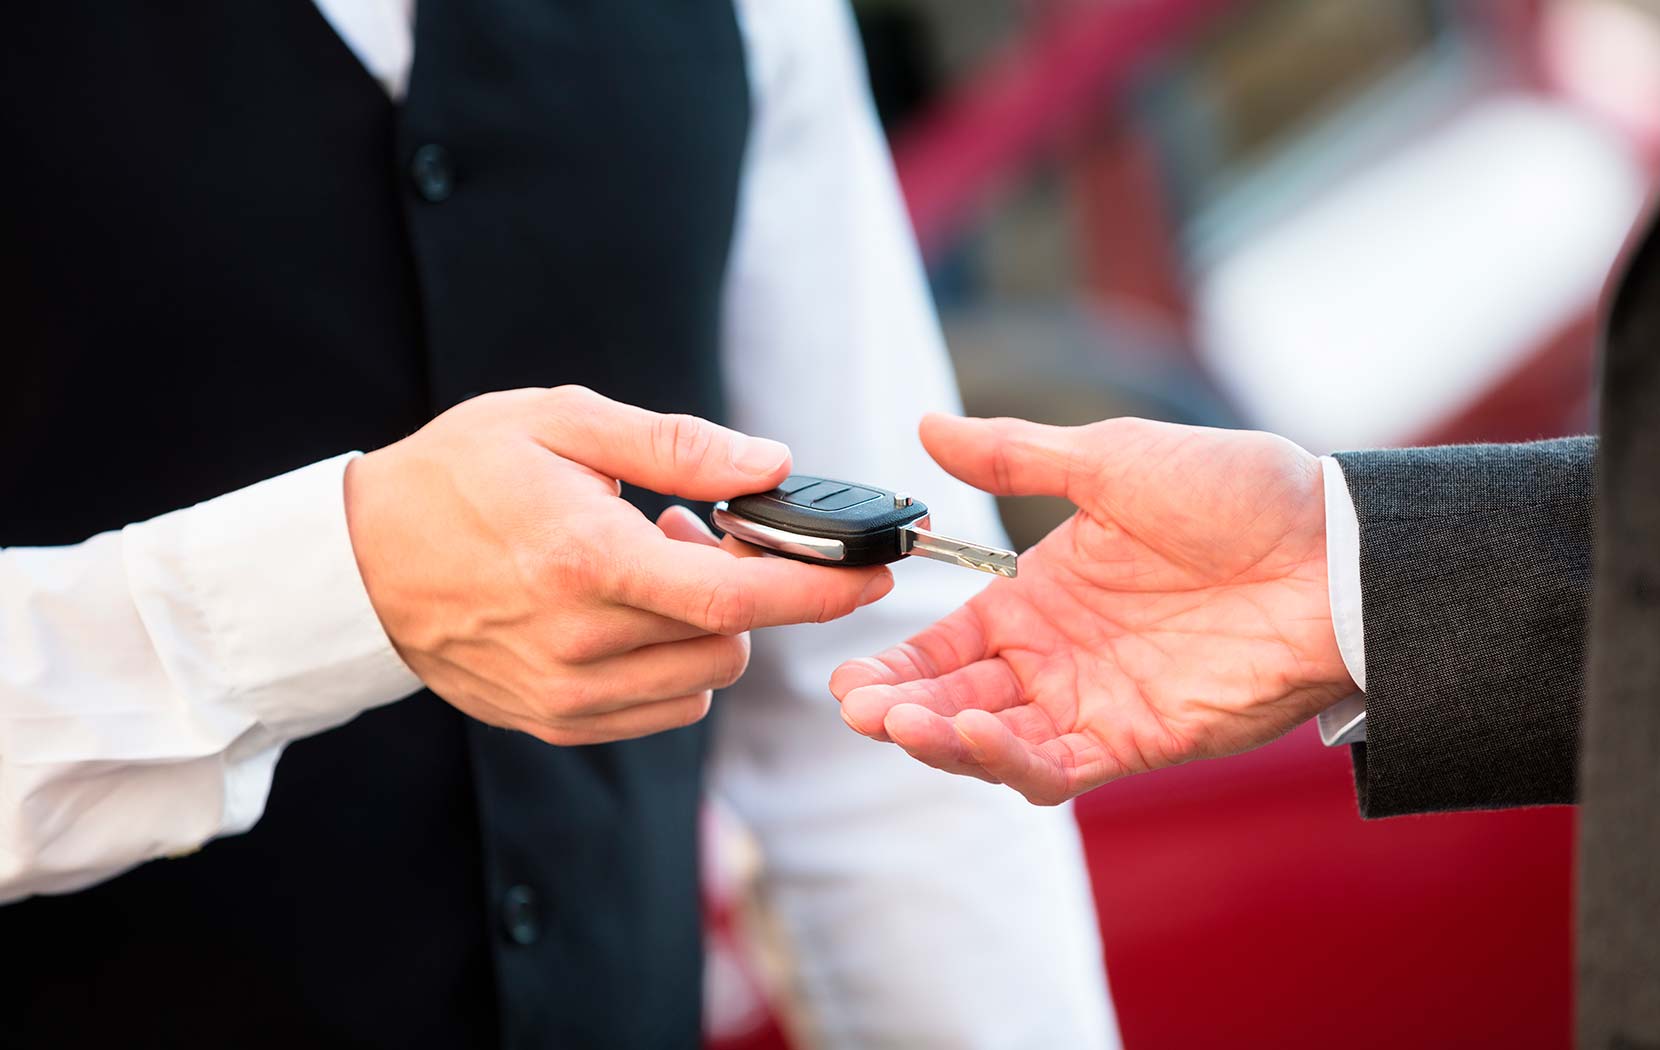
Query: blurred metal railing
point(955, 157)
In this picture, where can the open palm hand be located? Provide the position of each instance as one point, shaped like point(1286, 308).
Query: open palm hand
point(1181, 613)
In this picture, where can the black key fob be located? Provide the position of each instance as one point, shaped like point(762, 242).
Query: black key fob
point(822, 520)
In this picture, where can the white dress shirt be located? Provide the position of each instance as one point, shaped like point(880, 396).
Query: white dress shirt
point(1345, 721)
point(150, 677)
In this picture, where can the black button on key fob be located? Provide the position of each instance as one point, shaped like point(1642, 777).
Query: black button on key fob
point(841, 523)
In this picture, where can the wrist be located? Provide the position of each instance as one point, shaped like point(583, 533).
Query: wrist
point(1329, 671)
point(1320, 676)
point(365, 526)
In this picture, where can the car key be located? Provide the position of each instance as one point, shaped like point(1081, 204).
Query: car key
point(840, 523)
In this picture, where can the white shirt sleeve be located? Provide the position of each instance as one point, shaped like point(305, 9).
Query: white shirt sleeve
point(899, 888)
point(1345, 721)
point(150, 677)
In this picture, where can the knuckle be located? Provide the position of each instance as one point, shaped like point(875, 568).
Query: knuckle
point(833, 606)
point(536, 548)
point(917, 658)
point(538, 571)
point(569, 698)
point(572, 395)
point(556, 736)
point(729, 608)
point(581, 642)
point(568, 411)
point(828, 609)
point(576, 565)
point(1002, 470)
point(682, 441)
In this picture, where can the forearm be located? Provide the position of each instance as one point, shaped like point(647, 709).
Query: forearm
point(150, 677)
point(1475, 567)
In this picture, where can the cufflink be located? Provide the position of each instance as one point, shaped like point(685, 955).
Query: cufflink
point(1344, 722)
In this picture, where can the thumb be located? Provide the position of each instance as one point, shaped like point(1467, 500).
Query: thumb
point(1014, 457)
point(677, 455)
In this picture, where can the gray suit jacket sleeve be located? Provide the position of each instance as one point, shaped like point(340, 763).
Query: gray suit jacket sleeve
point(1475, 570)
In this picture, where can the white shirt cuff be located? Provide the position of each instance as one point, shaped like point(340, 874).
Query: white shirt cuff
point(292, 639)
point(1345, 721)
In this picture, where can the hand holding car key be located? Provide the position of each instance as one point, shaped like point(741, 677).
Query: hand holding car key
point(838, 523)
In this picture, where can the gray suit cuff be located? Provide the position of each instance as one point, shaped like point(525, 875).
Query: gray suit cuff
point(1475, 572)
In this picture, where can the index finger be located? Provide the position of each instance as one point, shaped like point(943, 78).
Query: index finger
point(718, 591)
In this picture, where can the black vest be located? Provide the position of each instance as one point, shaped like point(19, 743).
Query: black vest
point(224, 253)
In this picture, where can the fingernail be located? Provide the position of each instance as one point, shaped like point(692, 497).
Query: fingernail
point(875, 589)
point(758, 456)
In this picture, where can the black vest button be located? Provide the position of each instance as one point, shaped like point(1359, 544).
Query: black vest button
point(433, 172)
point(519, 921)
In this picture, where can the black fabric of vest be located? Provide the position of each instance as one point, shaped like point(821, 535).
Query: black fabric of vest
point(215, 267)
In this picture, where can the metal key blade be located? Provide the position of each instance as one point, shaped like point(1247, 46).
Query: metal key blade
point(960, 552)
